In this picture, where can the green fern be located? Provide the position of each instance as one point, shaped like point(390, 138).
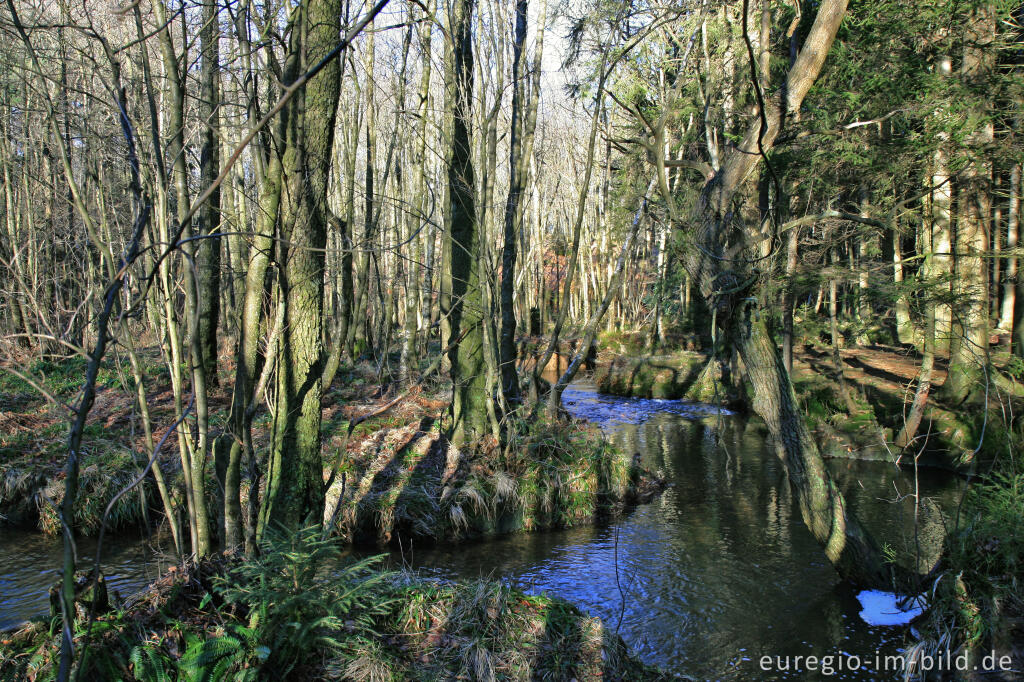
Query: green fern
point(222, 658)
point(148, 664)
point(303, 600)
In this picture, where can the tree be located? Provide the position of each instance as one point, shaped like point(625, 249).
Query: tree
point(729, 287)
point(295, 494)
point(468, 362)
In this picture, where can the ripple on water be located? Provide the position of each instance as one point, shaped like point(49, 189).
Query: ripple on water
point(712, 575)
point(584, 402)
point(716, 572)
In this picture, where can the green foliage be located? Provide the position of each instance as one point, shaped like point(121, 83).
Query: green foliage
point(222, 657)
point(61, 377)
point(1015, 367)
point(149, 663)
point(980, 594)
point(992, 540)
point(302, 600)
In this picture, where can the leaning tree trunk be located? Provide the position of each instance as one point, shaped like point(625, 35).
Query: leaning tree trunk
point(908, 433)
point(850, 549)
point(730, 292)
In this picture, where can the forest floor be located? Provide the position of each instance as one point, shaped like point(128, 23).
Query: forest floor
point(888, 368)
point(394, 472)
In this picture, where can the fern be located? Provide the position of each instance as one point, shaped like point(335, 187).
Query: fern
point(213, 660)
point(148, 665)
point(303, 600)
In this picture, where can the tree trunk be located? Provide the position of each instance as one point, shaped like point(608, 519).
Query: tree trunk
point(208, 249)
point(513, 214)
point(295, 493)
point(1012, 273)
point(714, 226)
point(357, 336)
point(969, 342)
point(788, 298)
point(908, 433)
point(904, 326)
point(851, 550)
point(469, 420)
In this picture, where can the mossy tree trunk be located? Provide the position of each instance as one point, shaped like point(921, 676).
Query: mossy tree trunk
point(469, 418)
point(850, 549)
point(208, 250)
point(248, 359)
point(730, 289)
point(295, 492)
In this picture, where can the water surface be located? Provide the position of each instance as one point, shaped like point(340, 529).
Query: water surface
point(29, 563)
point(715, 573)
point(719, 570)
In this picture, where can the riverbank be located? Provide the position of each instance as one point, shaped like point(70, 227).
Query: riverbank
point(396, 474)
point(33, 446)
point(408, 483)
point(862, 424)
point(301, 611)
point(684, 375)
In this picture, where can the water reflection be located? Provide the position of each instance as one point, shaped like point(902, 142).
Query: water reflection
point(719, 570)
point(29, 563)
point(708, 578)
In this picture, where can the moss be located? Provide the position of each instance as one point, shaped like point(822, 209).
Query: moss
point(681, 376)
point(409, 483)
point(61, 377)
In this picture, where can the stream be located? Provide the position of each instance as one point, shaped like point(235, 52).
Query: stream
point(715, 573)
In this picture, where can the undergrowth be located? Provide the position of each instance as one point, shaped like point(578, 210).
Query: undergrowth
point(977, 601)
point(411, 482)
point(301, 611)
point(33, 448)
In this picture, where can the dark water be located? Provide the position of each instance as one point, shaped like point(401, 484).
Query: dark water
point(29, 562)
point(720, 570)
point(708, 578)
